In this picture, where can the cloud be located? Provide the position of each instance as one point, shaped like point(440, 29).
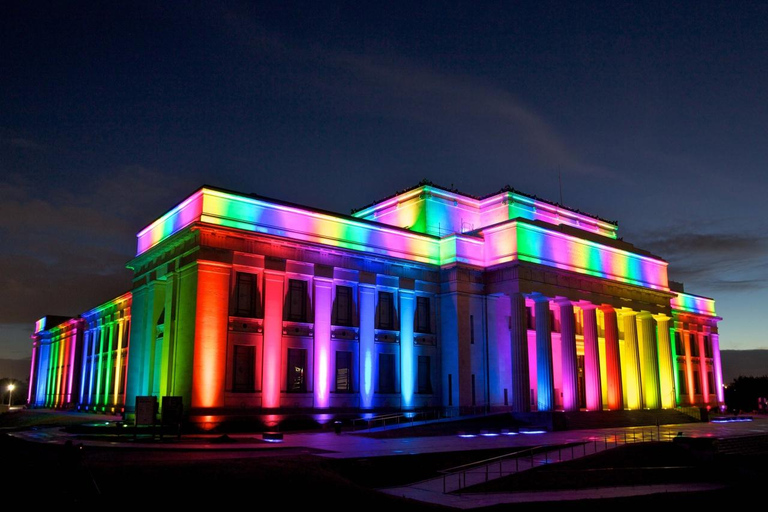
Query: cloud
point(64, 251)
point(383, 86)
point(22, 143)
point(717, 261)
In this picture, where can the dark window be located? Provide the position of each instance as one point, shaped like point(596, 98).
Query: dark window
point(711, 380)
point(386, 373)
point(297, 300)
point(343, 306)
point(679, 348)
point(245, 295)
point(694, 345)
point(425, 378)
point(696, 383)
point(552, 323)
point(423, 319)
point(682, 382)
point(243, 366)
point(297, 363)
point(529, 322)
point(343, 372)
point(386, 313)
point(707, 346)
point(472, 329)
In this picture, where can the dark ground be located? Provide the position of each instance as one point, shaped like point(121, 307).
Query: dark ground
point(47, 474)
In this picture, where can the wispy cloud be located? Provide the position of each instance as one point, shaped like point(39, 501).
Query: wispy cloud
point(65, 250)
point(718, 261)
point(23, 143)
point(384, 86)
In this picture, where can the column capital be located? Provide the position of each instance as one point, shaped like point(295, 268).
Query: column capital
point(585, 305)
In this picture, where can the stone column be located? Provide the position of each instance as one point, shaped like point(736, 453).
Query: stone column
point(591, 359)
point(367, 344)
point(544, 373)
point(612, 359)
point(666, 364)
point(570, 364)
point(649, 361)
point(407, 352)
point(274, 282)
point(521, 379)
point(631, 362)
point(718, 368)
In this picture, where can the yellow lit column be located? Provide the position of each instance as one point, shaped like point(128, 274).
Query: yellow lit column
point(631, 361)
point(666, 366)
point(649, 361)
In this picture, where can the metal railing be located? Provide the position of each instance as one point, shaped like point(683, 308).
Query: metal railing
point(403, 418)
point(457, 478)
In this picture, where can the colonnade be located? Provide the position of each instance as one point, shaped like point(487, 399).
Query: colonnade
point(628, 360)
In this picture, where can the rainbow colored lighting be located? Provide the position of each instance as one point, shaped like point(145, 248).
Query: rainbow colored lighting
point(522, 240)
point(693, 304)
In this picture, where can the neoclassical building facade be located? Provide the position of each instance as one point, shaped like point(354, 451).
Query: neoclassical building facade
point(428, 299)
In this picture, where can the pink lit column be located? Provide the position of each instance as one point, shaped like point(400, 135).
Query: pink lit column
point(521, 380)
point(612, 359)
point(544, 371)
point(649, 361)
point(570, 366)
point(273, 338)
point(705, 391)
point(718, 368)
point(322, 349)
point(591, 359)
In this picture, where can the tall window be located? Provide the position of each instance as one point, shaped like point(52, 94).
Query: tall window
point(243, 365)
point(679, 348)
point(386, 314)
point(342, 308)
point(424, 376)
point(529, 322)
point(343, 372)
point(423, 319)
point(696, 383)
point(386, 373)
point(711, 380)
point(297, 300)
point(245, 295)
point(682, 382)
point(297, 364)
point(707, 347)
point(694, 345)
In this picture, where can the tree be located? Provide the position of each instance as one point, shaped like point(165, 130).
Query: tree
point(744, 394)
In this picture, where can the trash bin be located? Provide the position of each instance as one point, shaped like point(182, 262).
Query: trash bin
point(337, 427)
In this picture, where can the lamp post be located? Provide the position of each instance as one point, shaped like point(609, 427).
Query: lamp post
point(10, 394)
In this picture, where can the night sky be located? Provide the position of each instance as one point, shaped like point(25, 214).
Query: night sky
point(650, 114)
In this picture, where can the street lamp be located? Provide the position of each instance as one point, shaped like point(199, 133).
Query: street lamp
point(10, 394)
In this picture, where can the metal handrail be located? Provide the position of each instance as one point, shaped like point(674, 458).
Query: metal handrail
point(482, 471)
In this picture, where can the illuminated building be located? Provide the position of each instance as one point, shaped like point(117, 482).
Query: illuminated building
point(427, 299)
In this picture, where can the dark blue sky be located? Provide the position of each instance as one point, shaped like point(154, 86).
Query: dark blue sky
point(650, 114)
